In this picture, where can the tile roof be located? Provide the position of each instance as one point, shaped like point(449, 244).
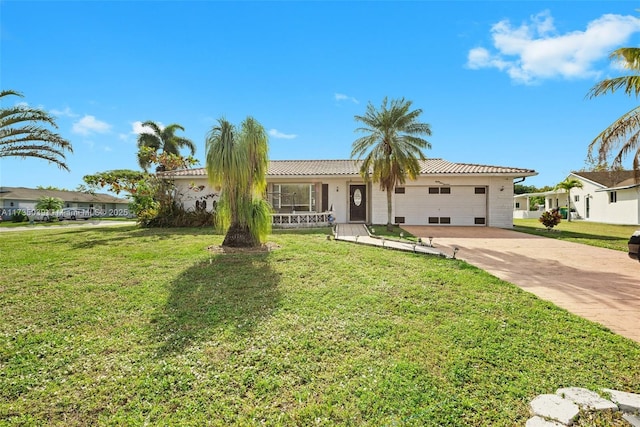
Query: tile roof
point(22, 193)
point(610, 179)
point(297, 168)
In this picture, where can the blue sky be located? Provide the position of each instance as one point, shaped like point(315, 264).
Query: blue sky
point(500, 82)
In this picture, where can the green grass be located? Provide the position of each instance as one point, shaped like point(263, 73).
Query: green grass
point(125, 326)
point(396, 233)
point(608, 236)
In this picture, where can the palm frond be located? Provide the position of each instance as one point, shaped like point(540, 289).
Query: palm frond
point(22, 134)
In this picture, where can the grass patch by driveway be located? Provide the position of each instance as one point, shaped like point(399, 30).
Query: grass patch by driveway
point(125, 326)
point(608, 236)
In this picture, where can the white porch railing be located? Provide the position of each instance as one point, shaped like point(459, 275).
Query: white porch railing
point(300, 220)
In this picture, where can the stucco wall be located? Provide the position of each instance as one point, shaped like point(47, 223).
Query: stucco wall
point(626, 210)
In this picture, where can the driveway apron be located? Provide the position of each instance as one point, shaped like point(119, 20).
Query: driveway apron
point(601, 285)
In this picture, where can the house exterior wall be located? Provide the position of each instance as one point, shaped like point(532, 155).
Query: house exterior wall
point(462, 205)
point(197, 189)
point(626, 209)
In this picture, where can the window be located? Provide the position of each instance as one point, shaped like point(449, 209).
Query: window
point(576, 198)
point(439, 220)
point(293, 197)
point(399, 220)
point(439, 190)
point(479, 221)
point(480, 190)
point(517, 205)
point(399, 190)
point(613, 197)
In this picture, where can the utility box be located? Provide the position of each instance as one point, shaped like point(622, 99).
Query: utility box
point(634, 245)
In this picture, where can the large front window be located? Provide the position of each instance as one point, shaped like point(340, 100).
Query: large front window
point(293, 198)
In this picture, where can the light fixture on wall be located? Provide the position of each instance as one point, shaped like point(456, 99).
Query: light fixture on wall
point(337, 188)
point(502, 188)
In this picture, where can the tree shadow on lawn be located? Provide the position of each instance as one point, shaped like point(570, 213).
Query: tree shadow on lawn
point(230, 293)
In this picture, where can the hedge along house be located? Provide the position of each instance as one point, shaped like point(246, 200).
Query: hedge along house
point(305, 192)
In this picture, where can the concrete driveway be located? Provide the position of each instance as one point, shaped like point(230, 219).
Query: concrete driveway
point(601, 285)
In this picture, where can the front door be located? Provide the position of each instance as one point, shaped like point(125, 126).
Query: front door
point(588, 208)
point(357, 203)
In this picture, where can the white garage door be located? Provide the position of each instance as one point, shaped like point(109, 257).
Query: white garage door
point(462, 205)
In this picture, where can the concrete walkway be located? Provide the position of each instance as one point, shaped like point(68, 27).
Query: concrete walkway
point(598, 284)
point(358, 233)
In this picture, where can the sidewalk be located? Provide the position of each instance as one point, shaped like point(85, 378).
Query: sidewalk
point(358, 233)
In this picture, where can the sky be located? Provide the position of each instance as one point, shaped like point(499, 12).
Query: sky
point(500, 83)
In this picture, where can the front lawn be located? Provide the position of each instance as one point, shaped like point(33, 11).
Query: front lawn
point(608, 236)
point(127, 326)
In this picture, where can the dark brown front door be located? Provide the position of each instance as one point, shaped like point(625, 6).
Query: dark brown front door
point(357, 203)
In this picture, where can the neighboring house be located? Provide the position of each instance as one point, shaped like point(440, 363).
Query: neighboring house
point(554, 199)
point(305, 191)
point(14, 199)
point(611, 197)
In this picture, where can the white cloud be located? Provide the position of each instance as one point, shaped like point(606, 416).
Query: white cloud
point(343, 97)
point(66, 112)
point(89, 124)
point(535, 51)
point(137, 128)
point(277, 134)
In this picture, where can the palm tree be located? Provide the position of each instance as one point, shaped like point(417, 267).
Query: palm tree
point(625, 131)
point(237, 162)
point(163, 140)
point(23, 133)
point(567, 185)
point(391, 147)
point(49, 204)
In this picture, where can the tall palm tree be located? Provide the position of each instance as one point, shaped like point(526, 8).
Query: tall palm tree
point(237, 162)
point(625, 131)
point(163, 140)
point(23, 133)
point(391, 148)
point(567, 185)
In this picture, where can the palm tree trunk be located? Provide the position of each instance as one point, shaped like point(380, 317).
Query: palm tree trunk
point(389, 224)
point(239, 236)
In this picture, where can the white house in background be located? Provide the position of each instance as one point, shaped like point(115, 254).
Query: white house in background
point(554, 199)
point(304, 192)
point(611, 197)
point(14, 199)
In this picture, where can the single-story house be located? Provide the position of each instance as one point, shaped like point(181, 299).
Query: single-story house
point(13, 199)
point(554, 199)
point(611, 197)
point(307, 191)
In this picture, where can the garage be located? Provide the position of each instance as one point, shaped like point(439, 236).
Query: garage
point(441, 205)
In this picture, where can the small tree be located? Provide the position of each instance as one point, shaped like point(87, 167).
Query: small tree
point(550, 218)
point(49, 204)
point(567, 185)
point(237, 162)
point(153, 196)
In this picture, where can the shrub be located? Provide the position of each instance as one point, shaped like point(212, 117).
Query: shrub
point(550, 218)
point(19, 216)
